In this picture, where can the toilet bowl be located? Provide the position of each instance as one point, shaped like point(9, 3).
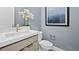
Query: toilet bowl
point(44, 45)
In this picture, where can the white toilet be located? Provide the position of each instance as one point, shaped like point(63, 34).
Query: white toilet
point(44, 45)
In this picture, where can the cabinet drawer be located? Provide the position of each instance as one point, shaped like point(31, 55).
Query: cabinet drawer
point(20, 45)
point(33, 47)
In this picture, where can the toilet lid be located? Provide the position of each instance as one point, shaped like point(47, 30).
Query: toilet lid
point(45, 43)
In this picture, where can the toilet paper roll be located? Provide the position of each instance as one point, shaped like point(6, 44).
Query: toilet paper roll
point(52, 36)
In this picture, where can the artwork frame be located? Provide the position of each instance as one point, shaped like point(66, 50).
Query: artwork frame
point(57, 20)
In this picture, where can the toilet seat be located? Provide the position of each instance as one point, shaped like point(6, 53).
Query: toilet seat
point(45, 43)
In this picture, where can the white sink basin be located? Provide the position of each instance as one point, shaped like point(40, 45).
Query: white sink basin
point(12, 34)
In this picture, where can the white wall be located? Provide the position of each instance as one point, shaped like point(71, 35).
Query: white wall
point(67, 38)
point(6, 17)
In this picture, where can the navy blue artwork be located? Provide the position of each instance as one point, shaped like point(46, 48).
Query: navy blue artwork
point(56, 15)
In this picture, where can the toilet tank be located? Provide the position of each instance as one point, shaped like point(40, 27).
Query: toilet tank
point(40, 36)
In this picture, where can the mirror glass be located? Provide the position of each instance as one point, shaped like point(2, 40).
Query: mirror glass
point(34, 23)
point(18, 19)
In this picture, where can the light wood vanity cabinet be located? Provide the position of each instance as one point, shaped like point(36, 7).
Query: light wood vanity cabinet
point(32, 47)
point(28, 44)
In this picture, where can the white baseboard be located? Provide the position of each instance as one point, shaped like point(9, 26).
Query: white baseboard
point(54, 48)
point(57, 49)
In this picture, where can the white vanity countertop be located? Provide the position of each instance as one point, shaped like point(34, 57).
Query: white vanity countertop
point(9, 40)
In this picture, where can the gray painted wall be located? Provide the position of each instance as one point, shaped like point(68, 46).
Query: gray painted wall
point(67, 38)
point(35, 23)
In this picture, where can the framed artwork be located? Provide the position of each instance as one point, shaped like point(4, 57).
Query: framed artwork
point(57, 16)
